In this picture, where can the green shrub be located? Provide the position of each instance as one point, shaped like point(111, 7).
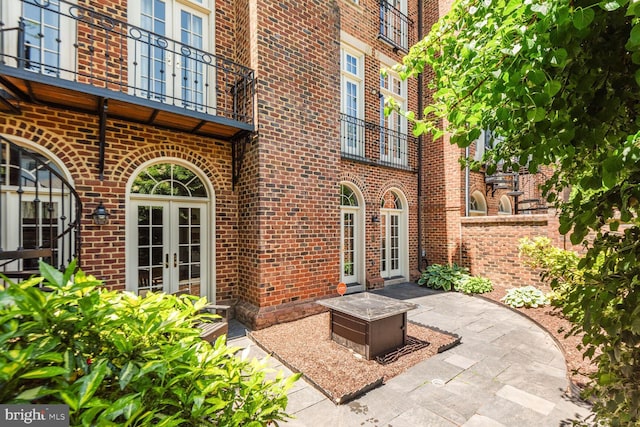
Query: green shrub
point(116, 358)
point(444, 277)
point(475, 285)
point(526, 296)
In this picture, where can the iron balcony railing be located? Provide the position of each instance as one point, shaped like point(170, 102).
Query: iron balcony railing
point(74, 43)
point(39, 213)
point(374, 144)
point(395, 27)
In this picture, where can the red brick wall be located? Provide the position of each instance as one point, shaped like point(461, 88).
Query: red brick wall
point(490, 245)
point(73, 138)
point(290, 194)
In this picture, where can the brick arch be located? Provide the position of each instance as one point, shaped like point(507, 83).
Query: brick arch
point(394, 184)
point(358, 182)
point(56, 144)
point(126, 166)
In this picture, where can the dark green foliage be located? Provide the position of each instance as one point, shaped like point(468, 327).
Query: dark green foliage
point(116, 358)
point(445, 277)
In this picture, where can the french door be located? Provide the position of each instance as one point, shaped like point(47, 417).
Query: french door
point(171, 246)
point(349, 246)
point(171, 55)
point(390, 241)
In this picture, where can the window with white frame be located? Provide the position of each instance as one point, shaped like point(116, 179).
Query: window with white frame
point(352, 101)
point(393, 127)
point(172, 50)
point(504, 205)
point(477, 204)
point(394, 23)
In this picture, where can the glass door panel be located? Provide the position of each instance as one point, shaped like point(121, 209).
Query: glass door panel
point(189, 249)
point(348, 248)
point(390, 245)
point(152, 257)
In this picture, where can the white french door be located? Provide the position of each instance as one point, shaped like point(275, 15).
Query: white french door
point(170, 72)
point(170, 246)
point(350, 256)
point(390, 244)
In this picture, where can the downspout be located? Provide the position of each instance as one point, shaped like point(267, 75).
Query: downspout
point(466, 183)
point(421, 253)
point(466, 196)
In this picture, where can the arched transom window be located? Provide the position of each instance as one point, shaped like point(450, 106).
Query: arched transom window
point(347, 196)
point(167, 179)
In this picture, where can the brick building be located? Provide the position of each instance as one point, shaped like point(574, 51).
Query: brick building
point(239, 149)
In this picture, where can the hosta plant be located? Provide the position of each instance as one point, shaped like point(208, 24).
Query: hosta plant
point(475, 285)
point(526, 296)
point(445, 277)
point(119, 359)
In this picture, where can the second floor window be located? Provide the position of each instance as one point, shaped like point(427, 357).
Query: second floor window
point(393, 128)
point(394, 23)
point(352, 102)
point(171, 52)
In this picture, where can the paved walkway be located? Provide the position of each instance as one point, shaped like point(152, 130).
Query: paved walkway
point(506, 372)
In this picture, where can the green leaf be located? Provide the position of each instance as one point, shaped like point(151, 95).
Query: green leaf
point(610, 169)
point(45, 372)
point(610, 5)
point(126, 374)
point(582, 18)
point(552, 87)
point(536, 114)
point(91, 382)
point(634, 38)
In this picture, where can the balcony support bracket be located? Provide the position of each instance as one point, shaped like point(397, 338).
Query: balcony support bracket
point(239, 144)
point(102, 110)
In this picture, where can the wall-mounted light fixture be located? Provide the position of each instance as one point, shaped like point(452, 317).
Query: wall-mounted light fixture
point(375, 218)
point(100, 215)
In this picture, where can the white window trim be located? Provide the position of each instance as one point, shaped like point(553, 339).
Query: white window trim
point(357, 78)
point(482, 204)
point(131, 273)
point(506, 199)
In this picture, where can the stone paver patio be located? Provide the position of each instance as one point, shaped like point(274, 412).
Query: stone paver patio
point(506, 371)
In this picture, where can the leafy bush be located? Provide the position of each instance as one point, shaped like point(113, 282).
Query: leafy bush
point(475, 285)
point(117, 358)
point(526, 296)
point(444, 277)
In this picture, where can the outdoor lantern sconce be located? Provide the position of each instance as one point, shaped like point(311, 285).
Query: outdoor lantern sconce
point(375, 218)
point(100, 215)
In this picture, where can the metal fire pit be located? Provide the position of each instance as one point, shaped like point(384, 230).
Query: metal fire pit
point(369, 324)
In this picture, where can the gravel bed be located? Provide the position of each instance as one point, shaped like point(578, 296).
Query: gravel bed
point(305, 346)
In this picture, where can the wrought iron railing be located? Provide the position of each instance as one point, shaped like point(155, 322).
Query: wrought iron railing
point(395, 26)
point(78, 44)
point(39, 213)
point(375, 144)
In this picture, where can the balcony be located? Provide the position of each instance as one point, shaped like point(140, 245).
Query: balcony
point(65, 55)
point(395, 27)
point(373, 144)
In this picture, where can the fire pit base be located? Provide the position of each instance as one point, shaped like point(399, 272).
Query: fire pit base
point(369, 324)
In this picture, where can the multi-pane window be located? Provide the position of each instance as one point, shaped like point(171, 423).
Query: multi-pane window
point(394, 23)
point(393, 133)
point(352, 105)
point(42, 37)
point(170, 52)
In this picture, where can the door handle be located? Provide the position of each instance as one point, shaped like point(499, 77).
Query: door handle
point(175, 259)
point(166, 260)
